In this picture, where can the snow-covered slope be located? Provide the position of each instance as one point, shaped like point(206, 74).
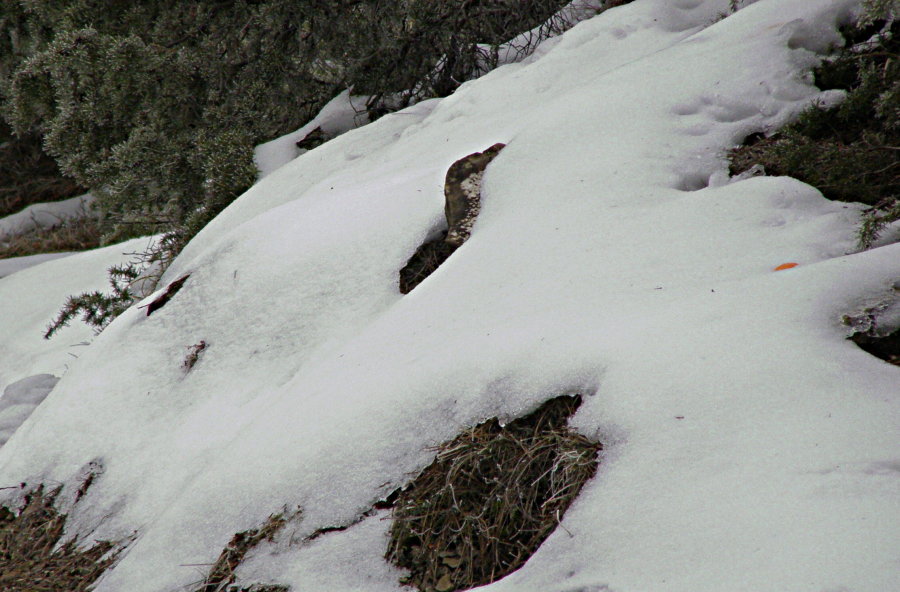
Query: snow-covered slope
point(748, 445)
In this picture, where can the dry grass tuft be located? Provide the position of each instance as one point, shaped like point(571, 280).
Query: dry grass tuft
point(31, 559)
point(490, 498)
point(424, 261)
point(222, 572)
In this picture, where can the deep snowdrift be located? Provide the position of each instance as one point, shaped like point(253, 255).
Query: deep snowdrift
point(749, 445)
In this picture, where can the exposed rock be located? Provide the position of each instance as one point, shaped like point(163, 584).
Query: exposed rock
point(462, 191)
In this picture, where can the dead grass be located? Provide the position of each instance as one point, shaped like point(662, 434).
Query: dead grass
point(221, 574)
point(27, 175)
point(31, 559)
point(490, 498)
point(72, 234)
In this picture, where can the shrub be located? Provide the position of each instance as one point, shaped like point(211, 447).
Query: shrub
point(849, 152)
point(28, 175)
point(155, 107)
point(128, 283)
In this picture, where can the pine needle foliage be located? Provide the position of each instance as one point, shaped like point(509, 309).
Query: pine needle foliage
point(98, 309)
point(155, 106)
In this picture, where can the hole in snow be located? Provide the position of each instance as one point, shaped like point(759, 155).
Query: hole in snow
point(876, 329)
point(886, 347)
point(694, 181)
point(170, 291)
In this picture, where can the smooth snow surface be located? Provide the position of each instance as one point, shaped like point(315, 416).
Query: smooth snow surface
point(342, 114)
point(14, 264)
point(20, 399)
point(748, 445)
point(31, 297)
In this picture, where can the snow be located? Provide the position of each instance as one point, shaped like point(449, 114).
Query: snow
point(43, 215)
point(31, 298)
point(748, 444)
point(20, 399)
point(340, 115)
point(14, 264)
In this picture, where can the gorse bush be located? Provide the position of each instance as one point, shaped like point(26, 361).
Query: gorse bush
point(156, 106)
point(28, 175)
point(141, 102)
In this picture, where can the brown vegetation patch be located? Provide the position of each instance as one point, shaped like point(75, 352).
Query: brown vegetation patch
point(490, 498)
point(221, 574)
point(31, 559)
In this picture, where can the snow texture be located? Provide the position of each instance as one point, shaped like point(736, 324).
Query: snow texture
point(20, 399)
point(14, 264)
point(30, 299)
point(748, 445)
point(340, 115)
point(43, 215)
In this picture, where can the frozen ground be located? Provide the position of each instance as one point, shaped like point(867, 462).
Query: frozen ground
point(749, 445)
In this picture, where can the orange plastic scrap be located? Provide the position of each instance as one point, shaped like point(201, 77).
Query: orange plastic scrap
point(786, 266)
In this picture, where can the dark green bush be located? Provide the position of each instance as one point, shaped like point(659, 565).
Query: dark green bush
point(156, 106)
point(141, 103)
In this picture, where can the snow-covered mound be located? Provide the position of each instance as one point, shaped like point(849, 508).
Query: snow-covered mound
point(748, 444)
point(21, 398)
point(14, 264)
point(43, 215)
point(32, 292)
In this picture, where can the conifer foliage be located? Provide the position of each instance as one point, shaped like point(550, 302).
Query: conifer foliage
point(155, 106)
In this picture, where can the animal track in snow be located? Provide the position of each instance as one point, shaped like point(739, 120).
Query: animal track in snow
point(719, 109)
